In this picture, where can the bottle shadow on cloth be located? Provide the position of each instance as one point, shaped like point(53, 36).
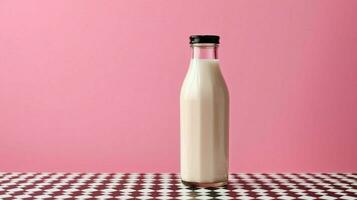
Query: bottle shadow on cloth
point(214, 192)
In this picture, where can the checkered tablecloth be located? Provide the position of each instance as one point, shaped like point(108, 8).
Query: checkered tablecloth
point(168, 186)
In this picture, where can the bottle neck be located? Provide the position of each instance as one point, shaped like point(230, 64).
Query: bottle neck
point(204, 51)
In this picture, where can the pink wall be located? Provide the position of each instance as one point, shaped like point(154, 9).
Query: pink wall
point(94, 85)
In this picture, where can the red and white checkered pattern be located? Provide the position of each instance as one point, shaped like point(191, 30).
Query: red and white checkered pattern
point(168, 186)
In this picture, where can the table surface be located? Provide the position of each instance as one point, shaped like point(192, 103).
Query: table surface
point(168, 186)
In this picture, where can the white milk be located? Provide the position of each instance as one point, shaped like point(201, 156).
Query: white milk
point(204, 115)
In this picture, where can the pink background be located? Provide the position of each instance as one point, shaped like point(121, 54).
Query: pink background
point(94, 85)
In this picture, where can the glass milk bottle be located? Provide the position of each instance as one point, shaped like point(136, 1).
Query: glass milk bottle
point(204, 117)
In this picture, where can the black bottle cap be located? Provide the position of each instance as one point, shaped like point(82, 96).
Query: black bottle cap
point(194, 39)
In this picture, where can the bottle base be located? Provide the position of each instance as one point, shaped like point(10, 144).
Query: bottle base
point(205, 185)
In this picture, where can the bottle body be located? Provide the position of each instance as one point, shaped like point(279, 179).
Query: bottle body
point(204, 124)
